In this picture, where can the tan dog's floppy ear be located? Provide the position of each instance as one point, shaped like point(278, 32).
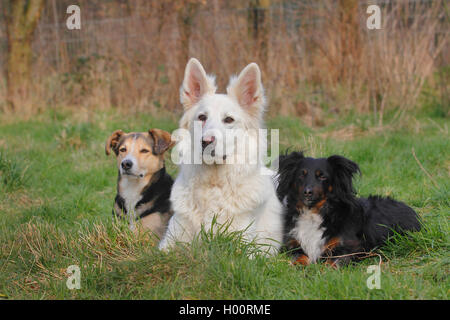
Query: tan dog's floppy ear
point(112, 141)
point(162, 140)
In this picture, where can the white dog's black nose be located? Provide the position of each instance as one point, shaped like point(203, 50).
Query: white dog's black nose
point(126, 164)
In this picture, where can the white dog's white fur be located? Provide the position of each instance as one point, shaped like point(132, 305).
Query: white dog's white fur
point(238, 194)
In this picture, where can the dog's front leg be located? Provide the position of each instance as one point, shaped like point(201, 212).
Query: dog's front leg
point(176, 232)
point(168, 240)
point(294, 248)
point(132, 220)
point(339, 252)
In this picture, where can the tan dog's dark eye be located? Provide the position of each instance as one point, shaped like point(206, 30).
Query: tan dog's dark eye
point(144, 151)
point(123, 149)
point(202, 117)
point(228, 120)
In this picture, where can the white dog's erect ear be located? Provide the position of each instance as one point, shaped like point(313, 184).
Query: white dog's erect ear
point(247, 89)
point(195, 84)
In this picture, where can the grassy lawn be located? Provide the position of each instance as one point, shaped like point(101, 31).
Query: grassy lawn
point(57, 188)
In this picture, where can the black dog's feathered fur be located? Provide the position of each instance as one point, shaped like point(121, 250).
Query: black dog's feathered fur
point(323, 189)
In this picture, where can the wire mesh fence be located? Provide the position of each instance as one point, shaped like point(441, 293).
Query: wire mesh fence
point(133, 52)
point(54, 42)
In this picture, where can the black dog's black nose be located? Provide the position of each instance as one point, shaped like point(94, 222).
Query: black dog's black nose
point(308, 192)
point(126, 164)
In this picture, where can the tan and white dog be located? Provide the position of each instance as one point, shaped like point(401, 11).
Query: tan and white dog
point(143, 185)
point(238, 193)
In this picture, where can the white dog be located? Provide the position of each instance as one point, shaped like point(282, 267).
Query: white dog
point(233, 186)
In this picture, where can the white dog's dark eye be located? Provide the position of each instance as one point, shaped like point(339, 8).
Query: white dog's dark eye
point(123, 149)
point(202, 117)
point(228, 120)
point(144, 151)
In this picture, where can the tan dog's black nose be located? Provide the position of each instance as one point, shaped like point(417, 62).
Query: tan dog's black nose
point(126, 164)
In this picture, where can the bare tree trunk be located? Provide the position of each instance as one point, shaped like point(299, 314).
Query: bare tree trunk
point(55, 20)
point(21, 18)
point(184, 21)
point(350, 41)
point(258, 27)
point(185, 18)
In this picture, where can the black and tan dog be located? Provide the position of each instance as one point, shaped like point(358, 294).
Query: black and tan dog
point(324, 219)
point(143, 187)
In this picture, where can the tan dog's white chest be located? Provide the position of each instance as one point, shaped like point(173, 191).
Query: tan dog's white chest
point(131, 189)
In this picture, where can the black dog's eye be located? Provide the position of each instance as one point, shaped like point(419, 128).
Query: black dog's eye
point(202, 117)
point(303, 173)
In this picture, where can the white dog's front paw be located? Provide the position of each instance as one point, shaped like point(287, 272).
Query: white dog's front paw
point(163, 245)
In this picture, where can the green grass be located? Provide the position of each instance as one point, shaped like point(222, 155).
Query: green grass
point(57, 189)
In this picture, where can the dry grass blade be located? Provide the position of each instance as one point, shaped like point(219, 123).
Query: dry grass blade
point(423, 169)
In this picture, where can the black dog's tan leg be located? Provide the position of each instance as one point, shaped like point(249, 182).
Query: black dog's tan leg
point(299, 257)
point(338, 252)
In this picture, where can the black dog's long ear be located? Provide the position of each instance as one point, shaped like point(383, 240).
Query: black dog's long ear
point(343, 172)
point(287, 166)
